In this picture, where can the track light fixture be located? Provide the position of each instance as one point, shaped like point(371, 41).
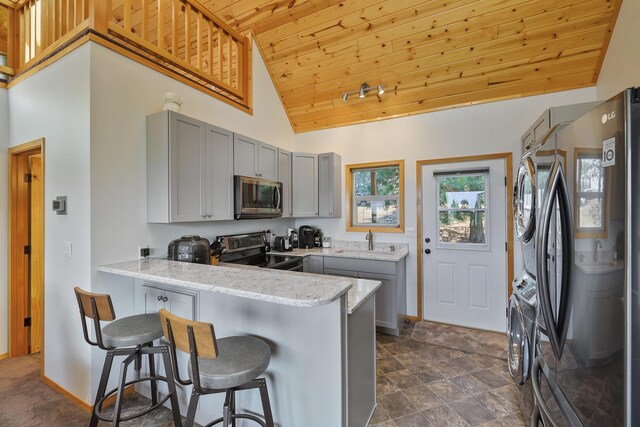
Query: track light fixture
point(363, 91)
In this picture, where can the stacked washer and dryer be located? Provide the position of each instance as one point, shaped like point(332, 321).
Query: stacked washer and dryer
point(530, 182)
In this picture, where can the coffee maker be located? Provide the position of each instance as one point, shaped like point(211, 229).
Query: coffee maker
point(306, 237)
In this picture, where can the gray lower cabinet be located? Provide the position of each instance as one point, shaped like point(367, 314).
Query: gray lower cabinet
point(315, 264)
point(189, 170)
point(329, 185)
point(305, 184)
point(284, 176)
point(254, 158)
point(391, 296)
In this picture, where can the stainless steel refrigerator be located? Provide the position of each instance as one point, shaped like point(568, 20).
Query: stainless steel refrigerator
point(587, 368)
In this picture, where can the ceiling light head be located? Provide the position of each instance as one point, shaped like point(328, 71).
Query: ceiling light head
point(380, 90)
point(364, 88)
point(345, 96)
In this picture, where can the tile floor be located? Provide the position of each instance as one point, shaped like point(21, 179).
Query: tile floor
point(428, 385)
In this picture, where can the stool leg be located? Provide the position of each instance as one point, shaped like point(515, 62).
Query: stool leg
point(193, 405)
point(266, 405)
point(102, 387)
point(226, 416)
point(233, 407)
point(152, 373)
point(117, 410)
point(175, 406)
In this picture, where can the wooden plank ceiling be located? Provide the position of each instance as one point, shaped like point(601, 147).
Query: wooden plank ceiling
point(428, 54)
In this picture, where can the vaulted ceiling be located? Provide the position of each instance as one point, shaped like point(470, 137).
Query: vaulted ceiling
point(428, 54)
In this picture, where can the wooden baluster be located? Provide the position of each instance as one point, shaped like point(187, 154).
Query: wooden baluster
point(239, 61)
point(12, 40)
point(145, 18)
point(229, 58)
point(199, 41)
point(37, 27)
point(210, 42)
point(187, 33)
point(127, 15)
point(174, 29)
point(67, 17)
point(160, 26)
point(44, 24)
point(220, 53)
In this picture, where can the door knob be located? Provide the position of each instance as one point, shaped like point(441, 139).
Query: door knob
point(427, 240)
point(427, 251)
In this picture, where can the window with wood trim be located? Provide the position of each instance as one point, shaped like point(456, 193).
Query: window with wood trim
point(375, 194)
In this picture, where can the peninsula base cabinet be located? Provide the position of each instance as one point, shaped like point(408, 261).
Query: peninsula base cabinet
point(391, 297)
point(150, 297)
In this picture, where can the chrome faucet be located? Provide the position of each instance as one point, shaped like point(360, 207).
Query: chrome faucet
point(596, 244)
point(370, 239)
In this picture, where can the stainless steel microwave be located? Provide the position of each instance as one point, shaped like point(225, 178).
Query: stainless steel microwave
point(257, 198)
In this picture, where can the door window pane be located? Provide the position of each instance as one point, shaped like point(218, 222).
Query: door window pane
point(462, 210)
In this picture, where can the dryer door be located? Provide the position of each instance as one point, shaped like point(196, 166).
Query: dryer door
point(518, 350)
point(524, 200)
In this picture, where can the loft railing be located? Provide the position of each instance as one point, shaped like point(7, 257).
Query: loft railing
point(180, 36)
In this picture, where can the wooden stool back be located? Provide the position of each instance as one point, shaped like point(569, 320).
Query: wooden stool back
point(103, 304)
point(177, 329)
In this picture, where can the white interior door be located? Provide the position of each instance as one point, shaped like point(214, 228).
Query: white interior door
point(464, 250)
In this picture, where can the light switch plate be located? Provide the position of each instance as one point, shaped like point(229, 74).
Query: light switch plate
point(68, 249)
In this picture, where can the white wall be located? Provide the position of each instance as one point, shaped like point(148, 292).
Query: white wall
point(4, 144)
point(481, 129)
point(123, 93)
point(54, 104)
point(621, 67)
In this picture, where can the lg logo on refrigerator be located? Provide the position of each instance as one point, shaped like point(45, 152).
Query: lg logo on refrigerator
point(610, 116)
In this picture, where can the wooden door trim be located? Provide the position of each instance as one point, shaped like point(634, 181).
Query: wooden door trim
point(508, 158)
point(13, 152)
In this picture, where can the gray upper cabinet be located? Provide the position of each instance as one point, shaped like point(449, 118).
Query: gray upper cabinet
point(284, 176)
point(254, 158)
point(189, 169)
point(305, 184)
point(329, 185)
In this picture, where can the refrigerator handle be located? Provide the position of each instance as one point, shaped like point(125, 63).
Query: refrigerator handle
point(568, 258)
point(556, 186)
point(541, 411)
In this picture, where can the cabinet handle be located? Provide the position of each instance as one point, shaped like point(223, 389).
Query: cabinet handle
point(160, 298)
point(165, 299)
point(209, 215)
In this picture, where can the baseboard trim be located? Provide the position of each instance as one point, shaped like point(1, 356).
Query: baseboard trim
point(72, 397)
point(412, 318)
point(4, 356)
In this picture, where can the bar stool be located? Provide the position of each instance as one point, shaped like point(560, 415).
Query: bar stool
point(131, 337)
point(218, 365)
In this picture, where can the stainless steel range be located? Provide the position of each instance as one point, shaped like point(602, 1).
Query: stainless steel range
point(250, 249)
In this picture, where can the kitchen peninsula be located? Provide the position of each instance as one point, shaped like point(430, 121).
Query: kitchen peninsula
point(320, 329)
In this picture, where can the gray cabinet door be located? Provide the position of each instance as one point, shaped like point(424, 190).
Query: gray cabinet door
point(316, 264)
point(305, 185)
point(254, 158)
point(245, 156)
point(219, 173)
point(284, 176)
point(187, 169)
point(268, 161)
point(386, 313)
point(329, 185)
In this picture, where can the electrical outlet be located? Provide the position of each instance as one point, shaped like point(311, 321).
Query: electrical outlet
point(410, 231)
point(143, 252)
point(68, 249)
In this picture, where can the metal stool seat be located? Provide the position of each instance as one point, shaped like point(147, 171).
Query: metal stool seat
point(240, 360)
point(132, 331)
point(131, 337)
point(218, 365)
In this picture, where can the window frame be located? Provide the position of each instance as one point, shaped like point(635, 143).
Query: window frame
point(590, 232)
point(350, 197)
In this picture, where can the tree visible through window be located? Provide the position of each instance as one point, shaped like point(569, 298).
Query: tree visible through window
point(375, 193)
point(462, 208)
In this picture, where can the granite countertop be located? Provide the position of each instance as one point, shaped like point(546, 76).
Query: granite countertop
point(357, 250)
point(275, 286)
point(360, 290)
